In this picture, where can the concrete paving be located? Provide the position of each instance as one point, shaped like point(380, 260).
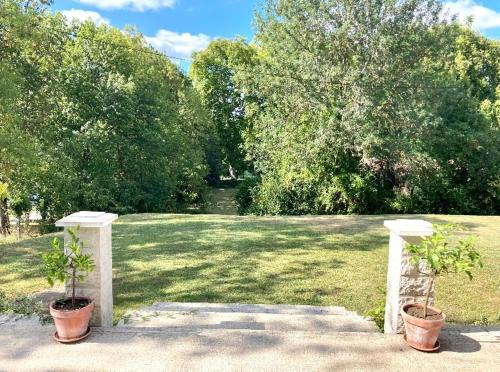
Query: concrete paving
point(195, 345)
point(318, 319)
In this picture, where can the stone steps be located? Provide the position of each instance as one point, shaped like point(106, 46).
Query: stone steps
point(187, 317)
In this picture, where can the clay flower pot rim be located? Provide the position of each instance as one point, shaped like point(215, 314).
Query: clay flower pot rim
point(91, 302)
point(415, 320)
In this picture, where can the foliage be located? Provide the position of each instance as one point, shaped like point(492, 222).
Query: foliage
point(441, 256)
point(3, 302)
point(377, 314)
point(94, 118)
point(244, 194)
point(4, 216)
point(370, 107)
point(4, 190)
point(20, 205)
point(296, 194)
point(67, 263)
point(213, 73)
point(24, 305)
point(337, 107)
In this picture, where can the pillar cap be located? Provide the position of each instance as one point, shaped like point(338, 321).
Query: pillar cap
point(87, 219)
point(404, 227)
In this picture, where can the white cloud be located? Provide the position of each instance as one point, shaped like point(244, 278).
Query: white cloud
point(178, 45)
point(483, 18)
point(138, 5)
point(84, 15)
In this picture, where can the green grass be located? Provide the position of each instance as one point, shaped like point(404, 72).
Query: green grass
point(329, 260)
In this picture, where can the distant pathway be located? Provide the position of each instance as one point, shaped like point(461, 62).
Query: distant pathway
point(221, 201)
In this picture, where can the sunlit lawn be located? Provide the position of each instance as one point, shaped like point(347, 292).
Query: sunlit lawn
point(330, 260)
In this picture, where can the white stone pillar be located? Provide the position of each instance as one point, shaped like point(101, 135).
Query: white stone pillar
point(95, 233)
point(405, 282)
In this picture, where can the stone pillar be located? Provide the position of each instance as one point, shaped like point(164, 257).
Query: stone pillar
point(405, 282)
point(95, 233)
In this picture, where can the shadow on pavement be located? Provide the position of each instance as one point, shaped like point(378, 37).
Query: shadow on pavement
point(459, 343)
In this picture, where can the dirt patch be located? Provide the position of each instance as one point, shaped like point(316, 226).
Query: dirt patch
point(66, 304)
point(418, 312)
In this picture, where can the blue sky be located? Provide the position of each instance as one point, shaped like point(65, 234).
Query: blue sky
point(179, 27)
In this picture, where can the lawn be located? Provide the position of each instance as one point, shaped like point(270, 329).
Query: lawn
point(329, 260)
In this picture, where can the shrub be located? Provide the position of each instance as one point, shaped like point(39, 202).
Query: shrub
point(306, 193)
point(245, 193)
point(24, 305)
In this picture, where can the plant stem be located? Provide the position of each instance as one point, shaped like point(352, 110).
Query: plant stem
point(73, 279)
point(430, 286)
point(427, 295)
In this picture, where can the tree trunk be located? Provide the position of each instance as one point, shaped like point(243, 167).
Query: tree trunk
point(4, 218)
point(18, 228)
point(233, 173)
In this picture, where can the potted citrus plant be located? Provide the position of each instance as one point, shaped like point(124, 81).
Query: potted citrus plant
point(440, 255)
point(69, 264)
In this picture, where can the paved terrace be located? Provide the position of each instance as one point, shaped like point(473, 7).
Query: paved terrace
point(217, 337)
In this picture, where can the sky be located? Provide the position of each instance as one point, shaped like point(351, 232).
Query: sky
point(180, 27)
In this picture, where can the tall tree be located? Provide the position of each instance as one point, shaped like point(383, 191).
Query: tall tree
point(213, 72)
point(477, 64)
point(358, 111)
point(102, 121)
point(21, 48)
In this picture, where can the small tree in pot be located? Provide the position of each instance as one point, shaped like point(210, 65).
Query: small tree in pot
point(422, 322)
point(69, 264)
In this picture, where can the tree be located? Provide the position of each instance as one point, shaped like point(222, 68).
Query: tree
point(94, 118)
point(20, 205)
point(362, 113)
point(213, 72)
point(19, 151)
point(133, 143)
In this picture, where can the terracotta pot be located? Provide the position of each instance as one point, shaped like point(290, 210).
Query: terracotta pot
point(71, 325)
point(422, 334)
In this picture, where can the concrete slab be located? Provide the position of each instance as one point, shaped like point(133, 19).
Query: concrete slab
point(26, 347)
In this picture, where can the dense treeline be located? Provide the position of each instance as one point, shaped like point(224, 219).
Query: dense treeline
point(367, 107)
point(92, 118)
point(336, 107)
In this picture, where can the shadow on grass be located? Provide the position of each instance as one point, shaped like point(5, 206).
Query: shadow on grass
point(22, 260)
point(220, 259)
point(214, 258)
